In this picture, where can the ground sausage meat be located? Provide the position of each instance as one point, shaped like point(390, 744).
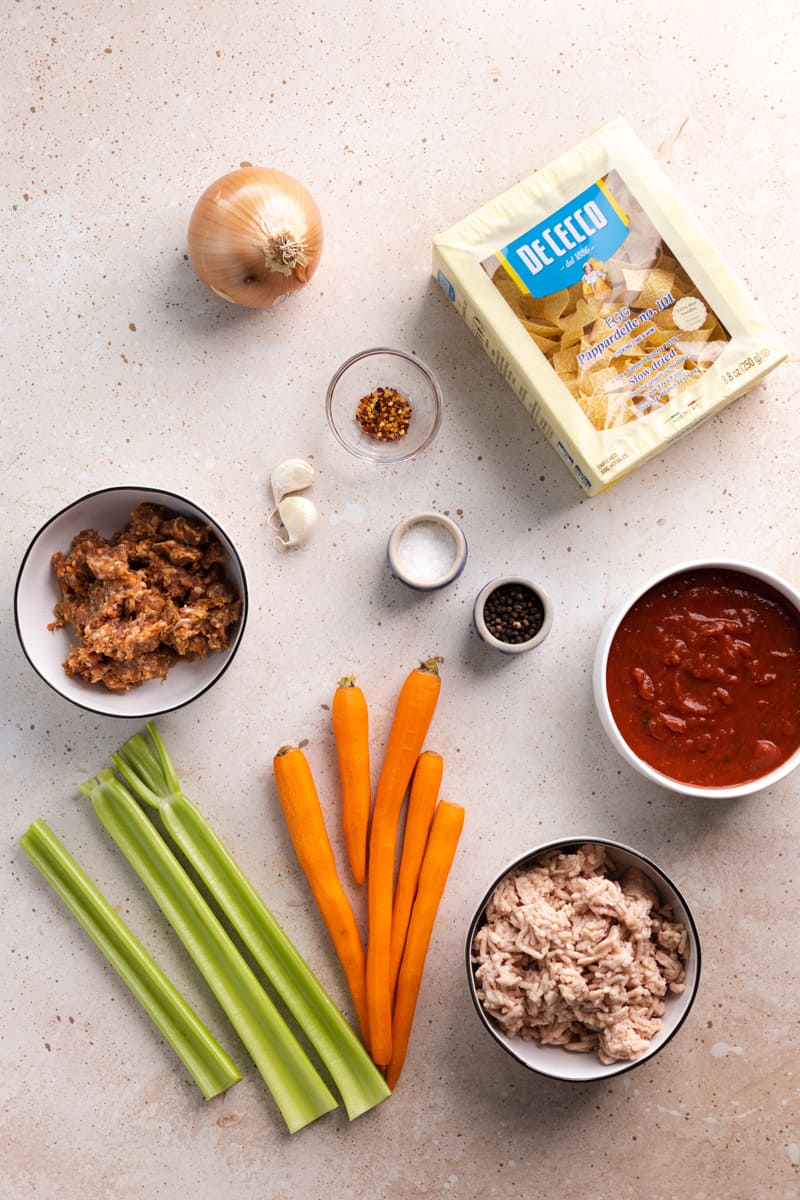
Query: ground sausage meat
point(151, 596)
point(576, 953)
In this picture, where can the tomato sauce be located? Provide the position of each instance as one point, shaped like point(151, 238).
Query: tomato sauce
point(703, 678)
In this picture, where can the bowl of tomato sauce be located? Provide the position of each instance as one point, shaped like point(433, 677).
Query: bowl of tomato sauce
point(697, 678)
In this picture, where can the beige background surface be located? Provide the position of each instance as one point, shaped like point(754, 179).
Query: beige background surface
point(120, 367)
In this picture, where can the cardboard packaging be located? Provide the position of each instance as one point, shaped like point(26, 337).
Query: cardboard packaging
point(605, 306)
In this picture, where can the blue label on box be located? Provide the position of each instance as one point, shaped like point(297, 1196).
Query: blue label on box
point(572, 244)
point(446, 286)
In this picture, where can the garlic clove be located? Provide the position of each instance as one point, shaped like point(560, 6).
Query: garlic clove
point(292, 475)
point(298, 516)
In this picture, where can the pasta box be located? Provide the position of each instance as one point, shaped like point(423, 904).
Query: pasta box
point(605, 306)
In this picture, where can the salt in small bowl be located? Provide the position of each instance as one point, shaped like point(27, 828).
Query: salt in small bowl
point(427, 551)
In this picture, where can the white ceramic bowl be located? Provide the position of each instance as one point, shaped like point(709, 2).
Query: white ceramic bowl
point(383, 367)
point(427, 575)
point(567, 1065)
point(789, 593)
point(479, 615)
point(108, 511)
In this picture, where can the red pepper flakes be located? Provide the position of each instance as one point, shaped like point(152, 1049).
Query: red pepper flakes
point(385, 414)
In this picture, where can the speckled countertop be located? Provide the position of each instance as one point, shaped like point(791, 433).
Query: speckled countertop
point(120, 367)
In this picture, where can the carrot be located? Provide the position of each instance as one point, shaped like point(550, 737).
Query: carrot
point(299, 800)
point(412, 718)
point(425, 785)
point(351, 734)
point(439, 853)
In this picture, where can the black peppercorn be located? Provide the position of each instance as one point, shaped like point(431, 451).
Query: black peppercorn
point(513, 613)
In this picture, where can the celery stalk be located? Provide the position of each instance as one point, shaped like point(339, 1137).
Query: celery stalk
point(299, 1091)
point(201, 1054)
point(148, 771)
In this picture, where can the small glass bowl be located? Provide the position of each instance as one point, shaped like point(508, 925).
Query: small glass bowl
point(479, 619)
point(381, 367)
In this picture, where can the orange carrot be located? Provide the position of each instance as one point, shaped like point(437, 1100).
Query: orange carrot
point(351, 734)
point(412, 718)
point(425, 785)
point(439, 853)
point(300, 803)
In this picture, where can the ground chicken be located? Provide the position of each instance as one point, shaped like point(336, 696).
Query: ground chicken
point(576, 953)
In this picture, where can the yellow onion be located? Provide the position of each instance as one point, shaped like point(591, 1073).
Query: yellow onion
point(254, 236)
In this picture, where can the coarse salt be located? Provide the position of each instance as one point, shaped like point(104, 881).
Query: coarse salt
point(426, 551)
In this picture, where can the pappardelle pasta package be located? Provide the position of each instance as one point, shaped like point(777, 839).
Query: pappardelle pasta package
point(605, 306)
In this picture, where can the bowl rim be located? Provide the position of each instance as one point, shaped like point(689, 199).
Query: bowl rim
point(461, 550)
point(732, 792)
point(229, 654)
point(354, 447)
point(482, 628)
point(686, 998)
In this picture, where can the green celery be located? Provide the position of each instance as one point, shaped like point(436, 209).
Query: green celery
point(147, 769)
point(201, 1054)
point(298, 1089)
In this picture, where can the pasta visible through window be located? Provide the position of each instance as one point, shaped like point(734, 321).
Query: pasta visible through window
point(631, 332)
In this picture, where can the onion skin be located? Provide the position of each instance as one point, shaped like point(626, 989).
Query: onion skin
point(255, 235)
